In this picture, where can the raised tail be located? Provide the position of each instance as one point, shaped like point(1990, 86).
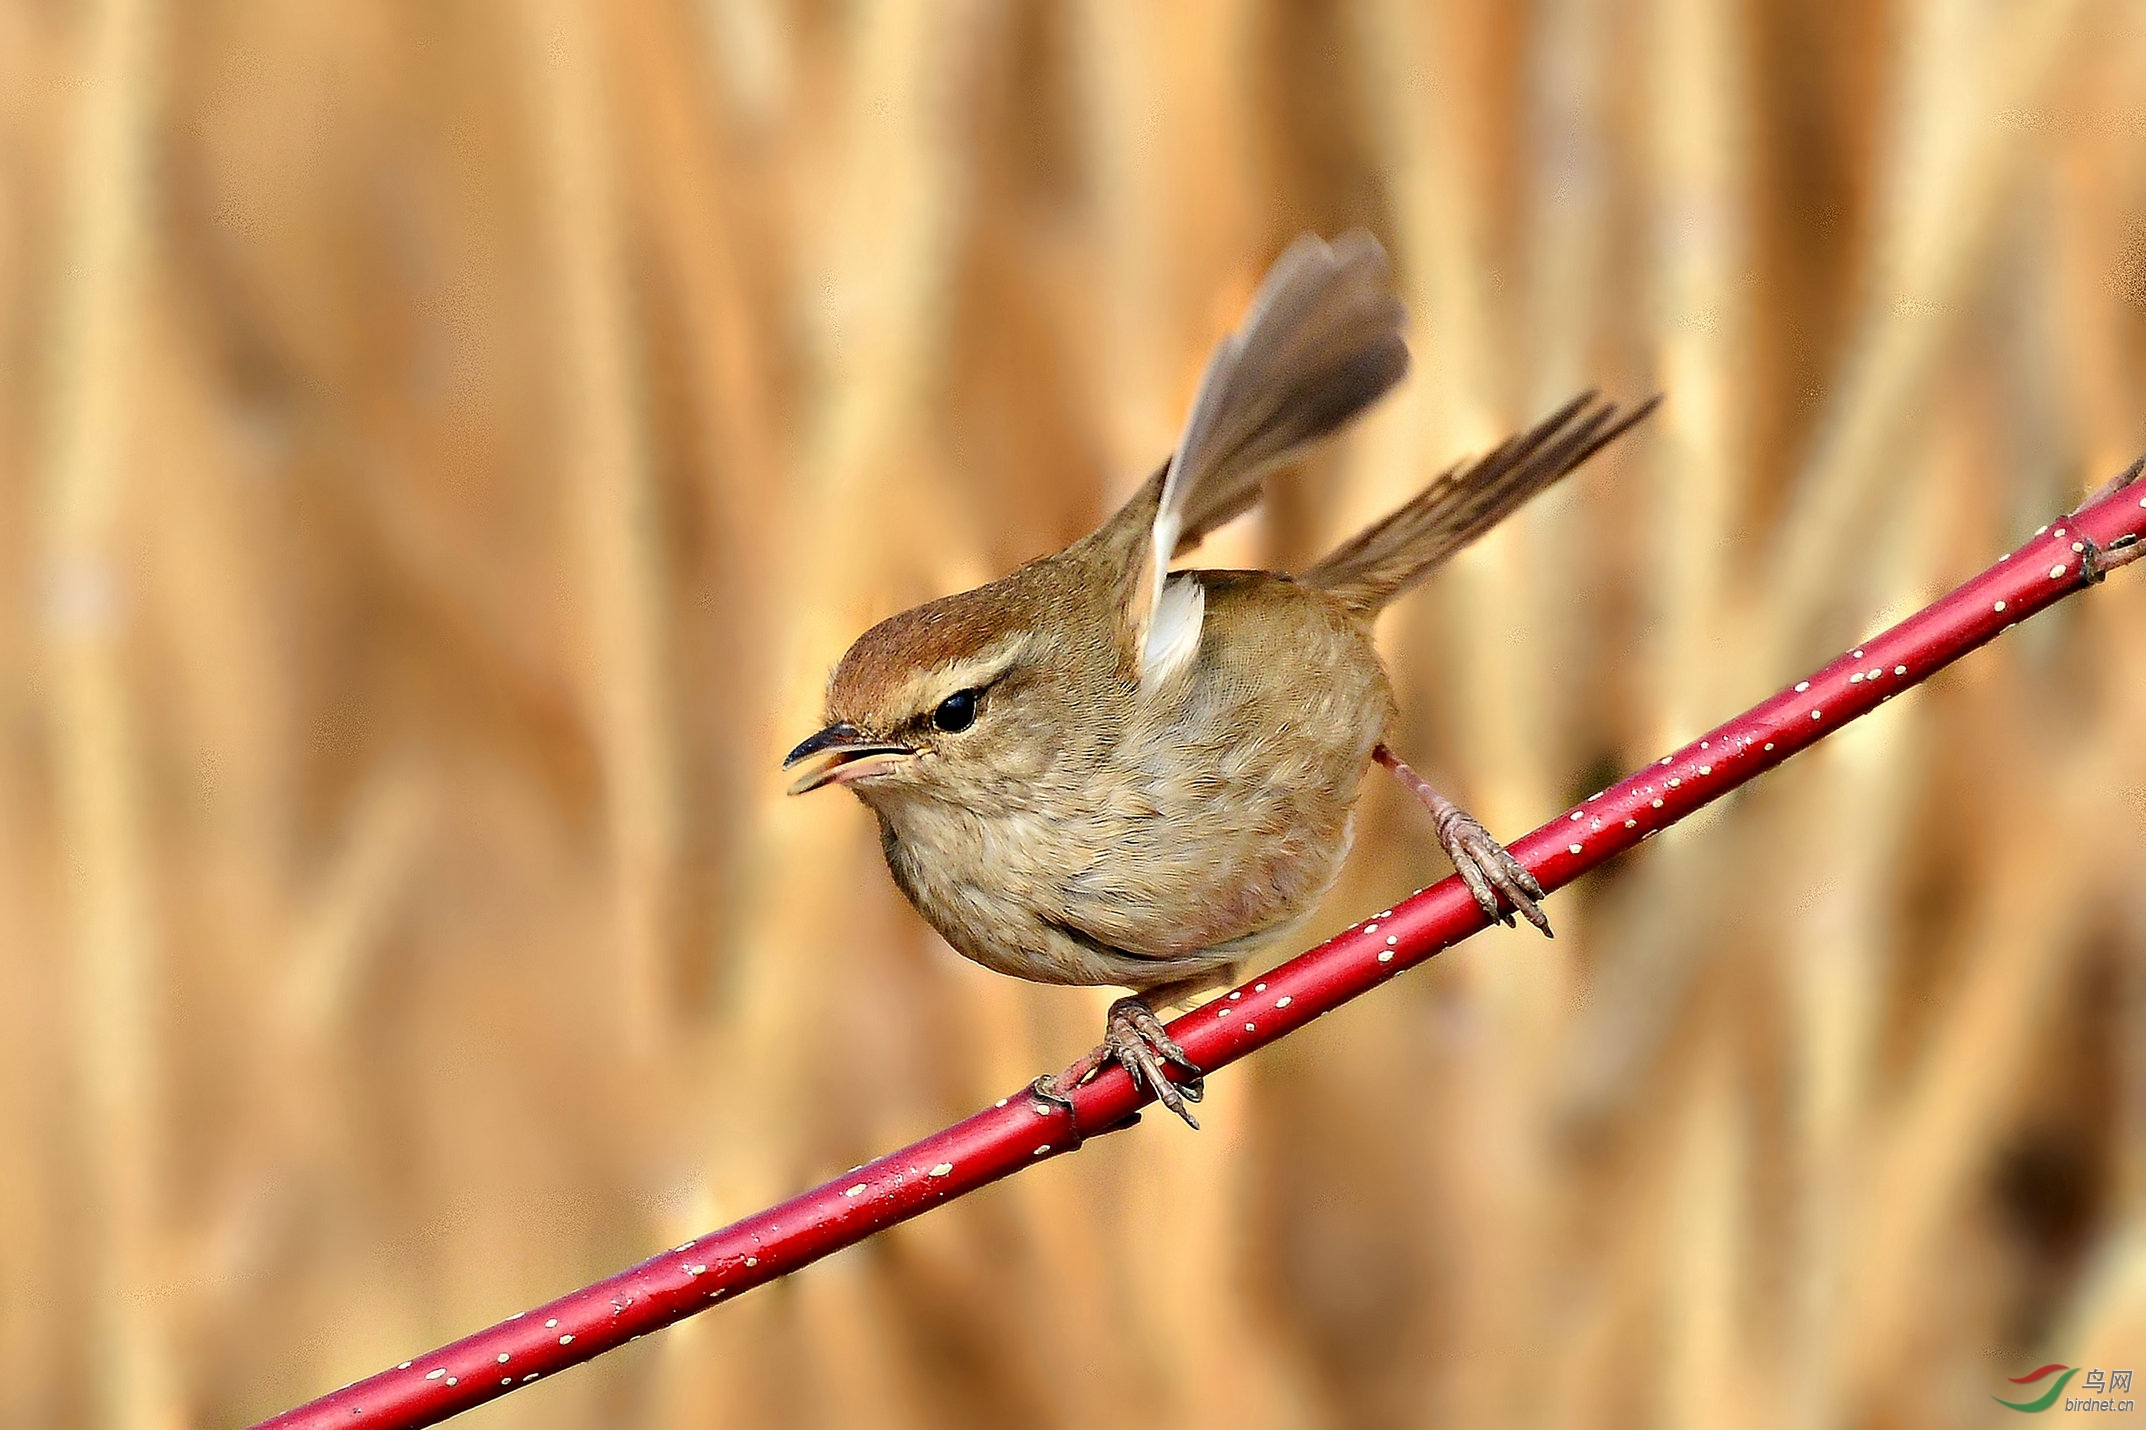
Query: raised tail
point(1393, 554)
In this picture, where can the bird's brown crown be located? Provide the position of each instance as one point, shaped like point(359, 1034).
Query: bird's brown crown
point(908, 662)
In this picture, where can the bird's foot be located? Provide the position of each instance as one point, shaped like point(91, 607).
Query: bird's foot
point(1484, 865)
point(1133, 1037)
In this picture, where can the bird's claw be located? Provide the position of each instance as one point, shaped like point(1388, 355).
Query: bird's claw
point(1134, 1035)
point(1133, 1038)
point(1045, 1089)
point(1489, 869)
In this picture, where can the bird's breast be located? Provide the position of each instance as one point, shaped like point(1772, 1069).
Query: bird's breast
point(1214, 817)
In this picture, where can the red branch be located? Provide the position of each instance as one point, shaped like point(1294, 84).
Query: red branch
point(1022, 1131)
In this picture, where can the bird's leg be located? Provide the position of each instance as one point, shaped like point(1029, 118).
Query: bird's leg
point(1133, 1037)
point(1481, 861)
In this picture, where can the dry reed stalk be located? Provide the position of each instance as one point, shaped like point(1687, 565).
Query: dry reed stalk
point(2026, 938)
point(1172, 1239)
point(1167, 104)
point(1923, 260)
point(1833, 971)
point(1080, 1240)
point(884, 344)
point(2130, 1177)
point(1700, 261)
point(1569, 144)
point(1565, 222)
point(2099, 184)
point(1136, 355)
point(689, 179)
point(97, 776)
point(755, 49)
point(1165, 109)
point(864, 1378)
point(1705, 1372)
point(605, 461)
point(1570, 141)
point(1425, 69)
point(1449, 68)
point(292, 1147)
point(1958, 156)
point(1435, 76)
point(339, 927)
point(2108, 1324)
point(207, 598)
point(883, 252)
point(2099, 372)
point(34, 1225)
point(2106, 1318)
point(207, 591)
point(877, 345)
point(1853, 819)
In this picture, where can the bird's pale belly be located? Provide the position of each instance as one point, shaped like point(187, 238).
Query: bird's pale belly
point(1175, 857)
point(1118, 905)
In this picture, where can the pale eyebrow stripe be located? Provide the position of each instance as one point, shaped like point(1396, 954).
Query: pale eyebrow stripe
point(973, 672)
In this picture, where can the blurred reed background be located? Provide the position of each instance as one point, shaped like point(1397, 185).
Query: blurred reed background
point(444, 447)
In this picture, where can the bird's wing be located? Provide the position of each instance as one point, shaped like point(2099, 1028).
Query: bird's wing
point(1321, 343)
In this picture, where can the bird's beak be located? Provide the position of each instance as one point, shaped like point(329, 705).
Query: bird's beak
point(846, 754)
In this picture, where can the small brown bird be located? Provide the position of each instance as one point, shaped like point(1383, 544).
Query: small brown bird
point(1094, 771)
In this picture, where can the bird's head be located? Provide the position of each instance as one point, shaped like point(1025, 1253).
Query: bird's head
point(959, 700)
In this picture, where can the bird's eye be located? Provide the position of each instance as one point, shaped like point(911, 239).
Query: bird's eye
point(955, 713)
